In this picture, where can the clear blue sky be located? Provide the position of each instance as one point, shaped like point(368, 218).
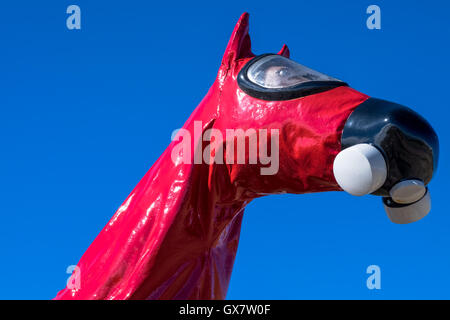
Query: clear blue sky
point(86, 113)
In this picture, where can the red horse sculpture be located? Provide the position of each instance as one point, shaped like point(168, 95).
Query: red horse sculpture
point(176, 235)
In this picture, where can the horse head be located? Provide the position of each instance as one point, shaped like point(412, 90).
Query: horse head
point(267, 125)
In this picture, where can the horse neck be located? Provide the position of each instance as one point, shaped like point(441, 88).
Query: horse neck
point(196, 254)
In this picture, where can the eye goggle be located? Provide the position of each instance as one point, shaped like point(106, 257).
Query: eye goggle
point(273, 77)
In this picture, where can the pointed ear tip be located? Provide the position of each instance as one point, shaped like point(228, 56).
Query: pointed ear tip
point(239, 44)
point(242, 24)
point(284, 51)
point(244, 16)
point(243, 19)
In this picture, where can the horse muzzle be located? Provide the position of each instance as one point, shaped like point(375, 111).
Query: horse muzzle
point(390, 151)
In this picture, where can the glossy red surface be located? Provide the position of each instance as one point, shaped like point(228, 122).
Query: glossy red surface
point(176, 235)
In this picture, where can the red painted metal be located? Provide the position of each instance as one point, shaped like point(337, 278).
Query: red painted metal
point(176, 235)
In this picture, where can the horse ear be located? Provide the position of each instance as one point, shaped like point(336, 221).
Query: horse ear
point(239, 45)
point(284, 51)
